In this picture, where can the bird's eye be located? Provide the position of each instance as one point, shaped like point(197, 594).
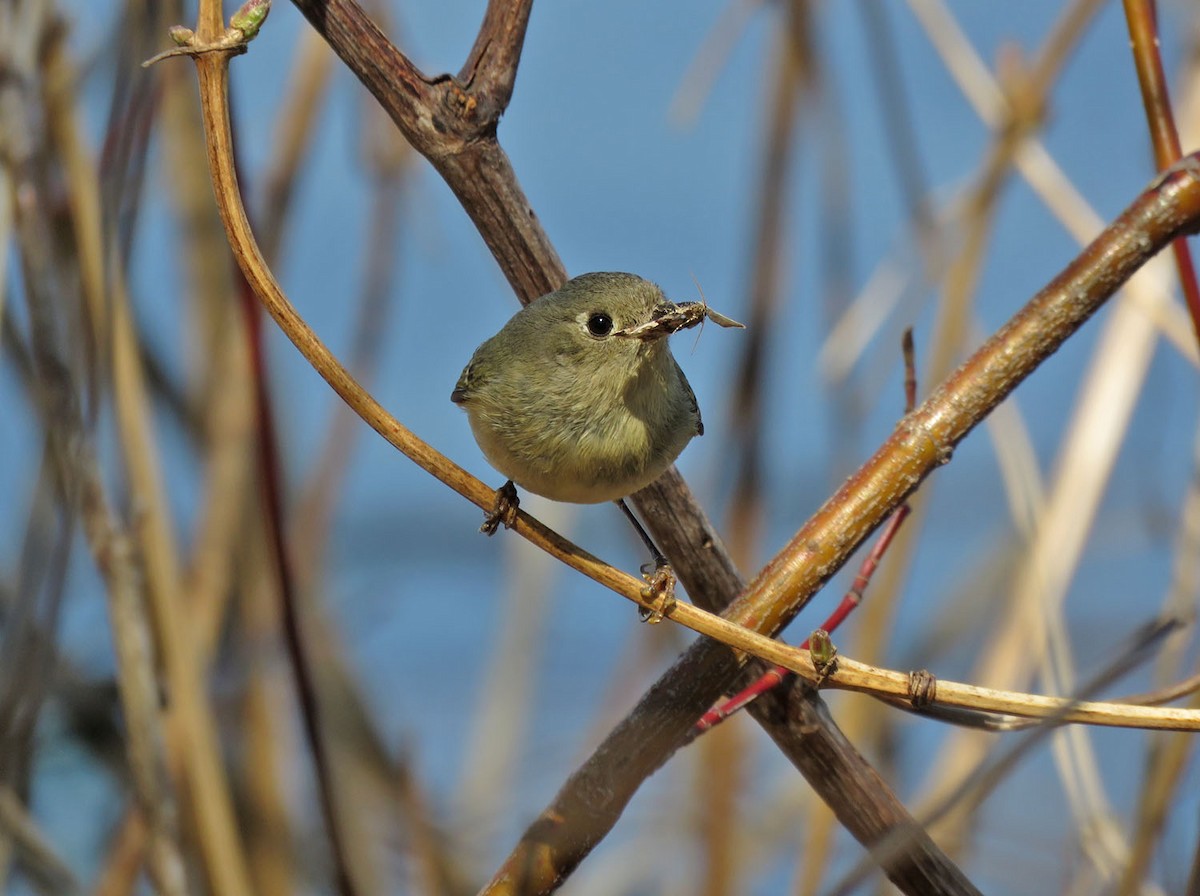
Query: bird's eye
point(599, 324)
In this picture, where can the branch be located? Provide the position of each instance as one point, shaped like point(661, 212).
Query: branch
point(491, 67)
point(452, 122)
point(1141, 18)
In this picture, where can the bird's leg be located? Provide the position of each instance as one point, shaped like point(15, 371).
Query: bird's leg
point(659, 592)
point(503, 511)
point(659, 558)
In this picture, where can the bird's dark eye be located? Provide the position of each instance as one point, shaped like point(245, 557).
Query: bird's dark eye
point(599, 324)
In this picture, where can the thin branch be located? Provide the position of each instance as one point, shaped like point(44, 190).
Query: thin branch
point(1141, 16)
point(896, 112)
point(491, 67)
point(114, 553)
point(41, 863)
point(271, 480)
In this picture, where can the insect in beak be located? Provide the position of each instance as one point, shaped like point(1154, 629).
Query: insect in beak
point(671, 317)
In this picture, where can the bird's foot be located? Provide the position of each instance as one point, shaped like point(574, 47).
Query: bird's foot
point(503, 511)
point(658, 596)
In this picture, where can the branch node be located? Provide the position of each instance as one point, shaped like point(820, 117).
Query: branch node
point(244, 26)
point(917, 430)
point(922, 688)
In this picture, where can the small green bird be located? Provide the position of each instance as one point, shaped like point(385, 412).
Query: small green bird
point(578, 397)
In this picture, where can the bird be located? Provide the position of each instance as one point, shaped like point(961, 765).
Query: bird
point(578, 398)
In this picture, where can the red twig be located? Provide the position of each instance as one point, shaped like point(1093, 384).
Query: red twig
point(776, 675)
point(1141, 18)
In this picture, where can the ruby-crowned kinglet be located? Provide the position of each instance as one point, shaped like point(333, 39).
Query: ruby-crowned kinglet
point(578, 397)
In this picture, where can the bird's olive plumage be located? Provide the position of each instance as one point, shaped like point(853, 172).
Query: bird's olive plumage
point(567, 405)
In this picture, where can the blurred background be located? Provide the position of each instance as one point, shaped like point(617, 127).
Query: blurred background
point(829, 173)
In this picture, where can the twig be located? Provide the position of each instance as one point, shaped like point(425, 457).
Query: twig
point(113, 551)
point(1166, 756)
point(211, 43)
point(1054, 541)
point(1141, 16)
point(863, 803)
point(195, 731)
point(774, 676)
point(55, 306)
point(44, 867)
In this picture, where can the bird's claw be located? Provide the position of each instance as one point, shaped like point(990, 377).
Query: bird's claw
point(503, 511)
point(658, 597)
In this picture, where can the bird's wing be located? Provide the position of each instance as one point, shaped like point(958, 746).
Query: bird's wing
point(462, 388)
point(691, 397)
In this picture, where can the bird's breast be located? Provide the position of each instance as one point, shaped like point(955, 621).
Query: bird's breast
point(585, 442)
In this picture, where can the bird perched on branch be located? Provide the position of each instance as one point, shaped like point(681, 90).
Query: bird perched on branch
point(578, 397)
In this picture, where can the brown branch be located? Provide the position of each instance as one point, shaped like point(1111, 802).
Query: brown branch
point(453, 124)
point(115, 555)
point(862, 800)
point(491, 67)
point(968, 794)
point(64, 329)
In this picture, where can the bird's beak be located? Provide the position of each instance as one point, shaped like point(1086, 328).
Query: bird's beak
point(666, 319)
point(670, 317)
